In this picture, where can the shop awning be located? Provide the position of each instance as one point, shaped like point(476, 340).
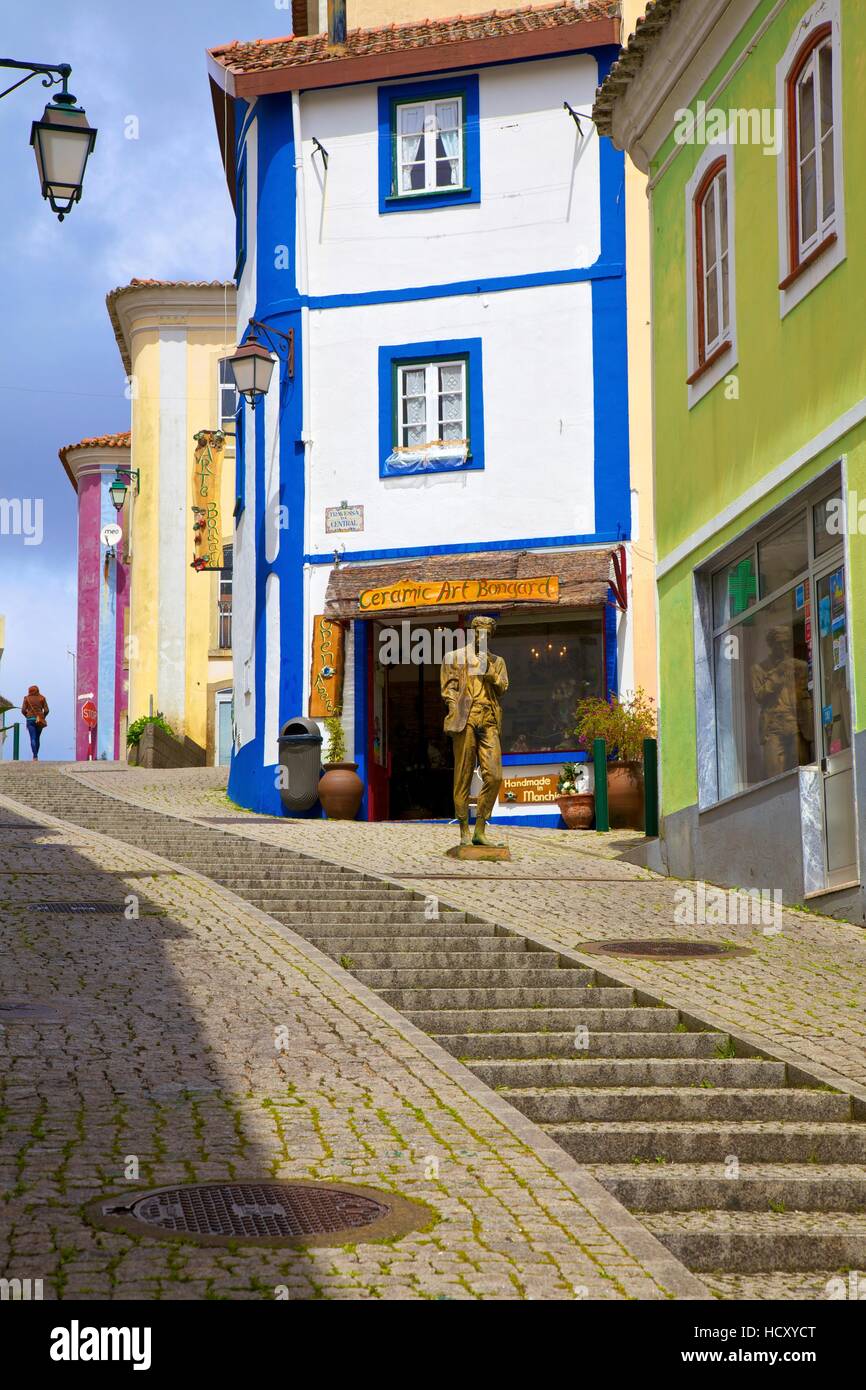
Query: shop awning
point(431, 584)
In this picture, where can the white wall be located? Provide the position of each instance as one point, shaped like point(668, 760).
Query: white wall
point(246, 297)
point(538, 477)
point(539, 205)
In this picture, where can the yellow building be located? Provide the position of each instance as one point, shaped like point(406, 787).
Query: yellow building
point(173, 338)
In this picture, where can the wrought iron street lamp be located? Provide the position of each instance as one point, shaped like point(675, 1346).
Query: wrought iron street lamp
point(120, 485)
point(62, 140)
point(252, 366)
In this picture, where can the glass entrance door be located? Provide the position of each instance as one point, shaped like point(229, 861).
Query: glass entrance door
point(833, 715)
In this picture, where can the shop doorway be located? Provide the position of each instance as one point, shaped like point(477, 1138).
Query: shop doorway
point(833, 712)
point(410, 757)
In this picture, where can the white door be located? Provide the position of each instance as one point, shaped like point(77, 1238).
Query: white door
point(223, 724)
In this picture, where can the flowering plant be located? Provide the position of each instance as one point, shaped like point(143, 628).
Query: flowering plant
point(572, 780)
point(623, 724)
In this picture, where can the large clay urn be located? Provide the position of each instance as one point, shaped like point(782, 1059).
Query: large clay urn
point(340, 791)
point(625, 796)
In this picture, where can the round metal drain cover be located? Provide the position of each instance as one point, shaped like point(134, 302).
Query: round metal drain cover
point(266, 1213)
point(663, 950)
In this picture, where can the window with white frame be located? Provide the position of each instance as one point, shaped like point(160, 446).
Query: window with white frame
point(228, 397)
point(429, 145)
point(811, 148)
point(712, 262)
point(431, 406)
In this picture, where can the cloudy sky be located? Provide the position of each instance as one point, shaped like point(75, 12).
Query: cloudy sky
point(153, 206)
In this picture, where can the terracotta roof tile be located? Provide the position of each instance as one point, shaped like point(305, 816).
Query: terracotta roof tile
point(648, 30)
point(261, 55)
point(98, 441)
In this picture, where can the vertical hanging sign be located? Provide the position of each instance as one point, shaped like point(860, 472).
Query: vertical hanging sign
point(326, 675)
point(206, 484)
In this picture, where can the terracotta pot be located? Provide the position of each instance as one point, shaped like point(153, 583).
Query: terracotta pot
point(625, 795)
point(577, 810)
point(340, 791)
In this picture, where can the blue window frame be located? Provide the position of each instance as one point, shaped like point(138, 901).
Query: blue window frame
point(241, 218)
point(431, 407)
point(429, 144)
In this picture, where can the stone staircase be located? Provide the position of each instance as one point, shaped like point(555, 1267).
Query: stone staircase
point(756, 1182)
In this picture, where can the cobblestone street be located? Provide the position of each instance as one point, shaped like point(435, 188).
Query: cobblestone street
point(166, 1054)
point(203, 1040)
point(803, 990)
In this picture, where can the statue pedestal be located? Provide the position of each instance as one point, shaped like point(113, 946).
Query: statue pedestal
point(479, 852)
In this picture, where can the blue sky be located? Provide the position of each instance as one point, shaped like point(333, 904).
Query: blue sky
point(156, 206)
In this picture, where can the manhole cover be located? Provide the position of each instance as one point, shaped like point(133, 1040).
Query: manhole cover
point(77, 907)
point(662, 950)
point(270, 1213)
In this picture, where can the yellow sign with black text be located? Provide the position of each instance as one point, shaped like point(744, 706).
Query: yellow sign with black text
point(326, 674)
point(435, 593)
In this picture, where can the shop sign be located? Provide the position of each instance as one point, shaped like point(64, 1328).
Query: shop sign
point(326, 674)
point(206, 485)
point(529, 791)
point(344, 518)
point(453, 593)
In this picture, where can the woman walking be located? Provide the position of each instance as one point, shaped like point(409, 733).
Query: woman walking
point(35, 711)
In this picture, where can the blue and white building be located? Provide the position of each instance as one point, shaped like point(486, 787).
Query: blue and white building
point(428, 214)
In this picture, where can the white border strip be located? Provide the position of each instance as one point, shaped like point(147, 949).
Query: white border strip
point(828, 437)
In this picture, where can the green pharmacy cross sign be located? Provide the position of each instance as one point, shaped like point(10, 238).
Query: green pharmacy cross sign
point(742, 587)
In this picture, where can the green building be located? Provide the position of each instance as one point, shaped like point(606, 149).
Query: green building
point(748, 117)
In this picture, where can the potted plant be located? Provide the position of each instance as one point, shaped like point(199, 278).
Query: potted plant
point(340, 787)
point(623, 724)
point(576, 804)
point(136, 730)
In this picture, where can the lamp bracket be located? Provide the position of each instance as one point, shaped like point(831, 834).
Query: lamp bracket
point(576, 117)
point(46, 70)
point(288, 350)
point(128, 475)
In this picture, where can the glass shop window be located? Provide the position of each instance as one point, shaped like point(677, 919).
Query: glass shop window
point(763, 675)
point(550, 667)
point(829, 523)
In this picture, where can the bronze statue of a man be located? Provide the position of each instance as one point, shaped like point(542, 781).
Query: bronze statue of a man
point(473, 682)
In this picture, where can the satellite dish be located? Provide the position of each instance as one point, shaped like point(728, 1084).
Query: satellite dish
point(111, 534)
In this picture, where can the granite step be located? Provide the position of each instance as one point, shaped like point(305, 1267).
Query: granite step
point(713, 1141)
point(748, 1242)
point(598, 1044)
point(567, 1103)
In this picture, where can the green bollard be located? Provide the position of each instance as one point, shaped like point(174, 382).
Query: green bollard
point(650, 788)
point(599, 761)
point(16, 742)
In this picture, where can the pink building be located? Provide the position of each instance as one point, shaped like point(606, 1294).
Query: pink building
point(103, 596)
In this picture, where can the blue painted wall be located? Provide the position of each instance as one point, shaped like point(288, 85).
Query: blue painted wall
point(279, 304)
